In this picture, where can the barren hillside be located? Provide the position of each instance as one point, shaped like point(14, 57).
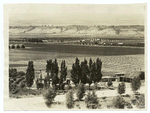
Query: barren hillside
point(77, 30)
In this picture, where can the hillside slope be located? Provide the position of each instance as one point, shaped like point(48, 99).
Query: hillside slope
point(77, 30)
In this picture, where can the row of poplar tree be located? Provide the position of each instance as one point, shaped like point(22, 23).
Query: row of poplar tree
point(81, 72)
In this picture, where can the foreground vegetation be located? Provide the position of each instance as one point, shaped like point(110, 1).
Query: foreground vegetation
point(81, 74)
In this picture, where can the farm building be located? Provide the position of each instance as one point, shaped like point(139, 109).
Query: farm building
point(107, 78)
point(129, 76)
point(119, 74)
point(124, 77)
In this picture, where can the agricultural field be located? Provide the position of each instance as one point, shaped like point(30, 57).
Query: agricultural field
point(112, 57)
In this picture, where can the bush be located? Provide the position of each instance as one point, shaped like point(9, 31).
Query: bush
point(15, 91)
point(13, 46)
point(22, 46)
point(20, 73)
point(22, 85)
point(40, 85)
point(14, 88)
point(69, 87)
point(141, 101)
point(19, 80)
point(49, 97)
point(12, 72)
point(91, 100)
point(69, 99)
point(80, 91)
point(109, 83)
point(61, 87)
point(119, 102)
point(121, 88)
point(129, 106)
point(18, 46)
point(133, 101)
point(136, 83)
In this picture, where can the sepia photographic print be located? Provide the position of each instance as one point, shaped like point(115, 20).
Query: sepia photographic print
point(75, 57)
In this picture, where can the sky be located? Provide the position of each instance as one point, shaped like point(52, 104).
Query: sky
point(77, 14)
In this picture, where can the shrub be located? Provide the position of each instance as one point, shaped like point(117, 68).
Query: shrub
point(15, 91)
point(129, 106)
point(80, 91)
point(69, 87)
point(136, 83)
point(121, 88)
point(119, 102)
point(22, 85)
point(127, 95)
point(18, 46)
point(40, 85)
point(22, 46)
point(19, 80)
point(141, 102)
point(133, 101)
point(91, 100)
point(12, 72)
point(13, 46)
point(61, 86)
point(14, 88)
point(20, 73)
point(109, 83)
point(49, 97)
point(69, 99)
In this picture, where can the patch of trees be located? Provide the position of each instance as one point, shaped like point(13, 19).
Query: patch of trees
point(16, 80)
point(91, 100)
point(13, 73)
point(16, 46)
point(86, 73)
point(35, 39)
point(83, 72)
point(52, 70)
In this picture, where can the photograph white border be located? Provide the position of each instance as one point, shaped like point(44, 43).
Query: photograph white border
point(2, 44)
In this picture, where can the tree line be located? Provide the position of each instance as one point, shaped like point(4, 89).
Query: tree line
point(85, 72)
point(81, 72)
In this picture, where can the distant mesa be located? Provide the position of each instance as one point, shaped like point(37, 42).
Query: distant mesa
point(120, 30)
point(16, 46)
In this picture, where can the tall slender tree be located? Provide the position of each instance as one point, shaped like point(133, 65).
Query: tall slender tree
point(63, 74)
point(48, 66)
point(90, 64)
point(56, 68)
point(76, 72)
point(84, 71)
point(30, 74)
point(98, 75)
point(93, 73)
point(90, 77)
point(54, 73)
point(78, 68)
point(74, 76)
point(48, 70)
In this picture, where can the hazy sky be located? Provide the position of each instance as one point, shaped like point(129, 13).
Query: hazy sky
point(75, 14)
